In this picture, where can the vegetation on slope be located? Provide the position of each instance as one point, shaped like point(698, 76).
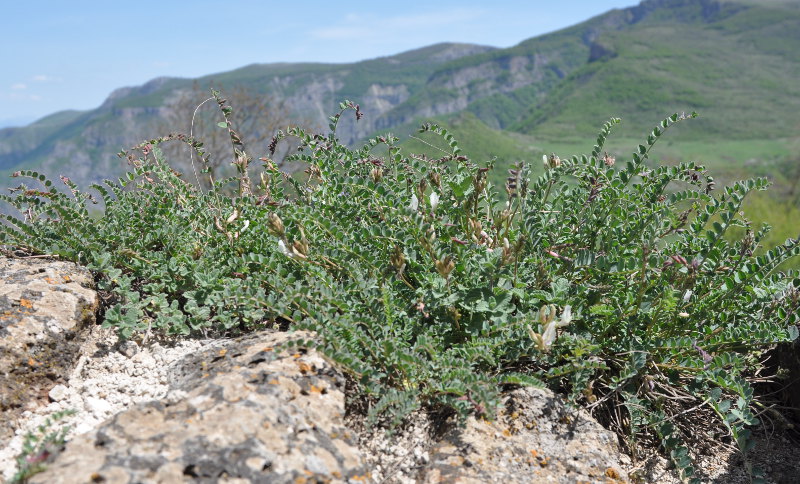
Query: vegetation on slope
point(433, 286)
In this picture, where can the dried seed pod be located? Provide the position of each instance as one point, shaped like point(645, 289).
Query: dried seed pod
point(276, 225)
point(398, 259)
point(445, 266)
point(300, 248)
point(421, 186)
point(436, 179)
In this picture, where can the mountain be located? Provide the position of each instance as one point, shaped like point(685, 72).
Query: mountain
point(736, 62)
point(84, 144)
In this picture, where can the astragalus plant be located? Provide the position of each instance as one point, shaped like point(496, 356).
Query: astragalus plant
point(611, 281)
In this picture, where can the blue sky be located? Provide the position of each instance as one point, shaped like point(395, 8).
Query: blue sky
point(60, 55)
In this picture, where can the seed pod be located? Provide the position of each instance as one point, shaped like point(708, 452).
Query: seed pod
point(300, 248)
point(398, 259)
point(421, 189)
point(436, 179)
point(445, 266)
point(276, 225)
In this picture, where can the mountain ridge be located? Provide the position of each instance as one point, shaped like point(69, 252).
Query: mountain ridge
point(627, 62)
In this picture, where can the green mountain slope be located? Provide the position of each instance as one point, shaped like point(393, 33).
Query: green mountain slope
point(736, 62)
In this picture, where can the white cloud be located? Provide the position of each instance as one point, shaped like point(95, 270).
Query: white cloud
point(337, 33)
point(45, 78)
point(357, 26)
point(20, 96)
point(19, 86)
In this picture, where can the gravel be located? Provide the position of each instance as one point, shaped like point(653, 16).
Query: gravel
point(108, 378)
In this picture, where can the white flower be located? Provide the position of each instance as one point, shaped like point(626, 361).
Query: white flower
point(414, 203)
point(566, 316)
point(244, 227)
point(283, 249)
point(549, 326)
point(233, 216)
point(434, 201)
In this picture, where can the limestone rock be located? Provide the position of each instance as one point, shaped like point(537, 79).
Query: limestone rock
point(536, 438)
point(240, 411)
point(43, 307)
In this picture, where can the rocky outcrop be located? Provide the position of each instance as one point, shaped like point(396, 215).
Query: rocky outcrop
point(242, 411)
point(536, 438)
point(44, 307)
point(257, 409)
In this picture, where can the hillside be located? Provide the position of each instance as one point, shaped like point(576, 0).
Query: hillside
point(735, 62)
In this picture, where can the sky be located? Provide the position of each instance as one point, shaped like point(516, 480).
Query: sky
point(59, 55)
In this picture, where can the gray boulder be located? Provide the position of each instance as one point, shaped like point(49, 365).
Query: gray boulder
point(536, 438)
point(238, 413)
point(45, 306)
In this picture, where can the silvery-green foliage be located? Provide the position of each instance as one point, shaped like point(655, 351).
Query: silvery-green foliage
point(610, 280)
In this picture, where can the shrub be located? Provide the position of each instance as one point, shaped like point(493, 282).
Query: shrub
point(612, 282)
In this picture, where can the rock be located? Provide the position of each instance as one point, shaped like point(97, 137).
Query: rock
point(129, 348)
point(58, 393)
point(97, 406)
point(44, 306)
point(536, 438)
point(240, 411)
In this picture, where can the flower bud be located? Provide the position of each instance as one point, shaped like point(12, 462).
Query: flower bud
point(233, 216)
point(283, 249)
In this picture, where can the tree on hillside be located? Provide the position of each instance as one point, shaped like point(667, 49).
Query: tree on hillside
point(256, 117)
